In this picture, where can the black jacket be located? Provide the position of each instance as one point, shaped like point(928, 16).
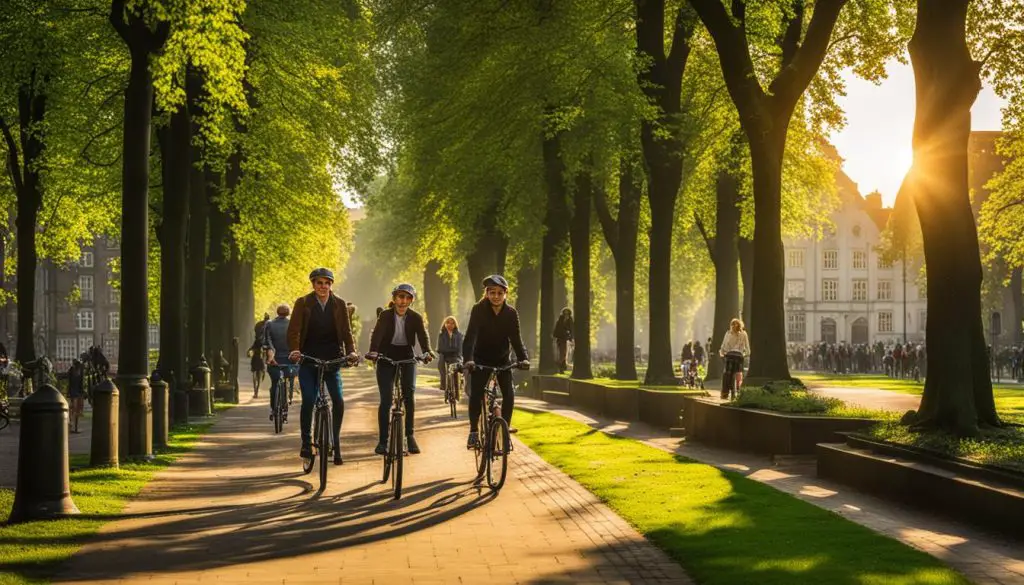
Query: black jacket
point(489, 335)
point(563, 328)
point(384, 331)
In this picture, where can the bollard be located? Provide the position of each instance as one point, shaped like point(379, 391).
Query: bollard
point(160, 413)
point(180, 410)
point(105, 423)
point(138, 416)
point(199, 393)
point(44, 487)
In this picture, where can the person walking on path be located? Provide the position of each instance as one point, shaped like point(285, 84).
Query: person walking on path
point(76, 391)
point(735, 348)
point(397, 329)
point(493, 330)
point(320, 328)
point(449, 348)
point(563, 337)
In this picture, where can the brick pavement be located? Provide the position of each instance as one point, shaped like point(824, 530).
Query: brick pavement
point(238, 509)
point(982, 556)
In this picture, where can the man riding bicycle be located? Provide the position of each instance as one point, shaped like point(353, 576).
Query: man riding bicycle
point(320, 328)
point(493, 328)
point(275, 343)
point(397, 329)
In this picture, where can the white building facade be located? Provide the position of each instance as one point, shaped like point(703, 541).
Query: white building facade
point(840, 289)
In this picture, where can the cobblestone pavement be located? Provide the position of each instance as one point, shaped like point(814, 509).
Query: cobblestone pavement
point(239, 510)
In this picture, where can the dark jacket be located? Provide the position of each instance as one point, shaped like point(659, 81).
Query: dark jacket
point(384, 331)
point(563, 328)
point(450, 345)
point(489, 335)
point(300, 321)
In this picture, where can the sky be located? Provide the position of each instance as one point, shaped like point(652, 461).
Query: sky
point(875, 144)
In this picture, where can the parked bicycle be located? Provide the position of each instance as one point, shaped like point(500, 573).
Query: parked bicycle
point(453, 386)
point(491, 452)
point(396, 428)
point(322, 443)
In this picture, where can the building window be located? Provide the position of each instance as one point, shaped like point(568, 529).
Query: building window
point(884, 263)
point(856, 231)
point(830, 289)
point(84, 343)
point(154, 336)
point(114, 295)
point(67, 349)
point(114, 321)
point(885, 322)
point(85, 283)
point(87, 260)
point(922, 320)
point(860, 290)
point(84, 320)
point(860, 260)
point(795, 259)
point(830, 259)
point(110, 348)
point(796, 327)
point(885, 290)
point(795, 289)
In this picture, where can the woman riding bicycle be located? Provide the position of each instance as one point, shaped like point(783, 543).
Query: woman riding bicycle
point(493, 328)
point(735, 348)
point(397, 329)
point(449, 347)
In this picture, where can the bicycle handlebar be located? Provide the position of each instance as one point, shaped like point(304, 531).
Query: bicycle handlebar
point(420, 358)
point(500, 369)
point(342, 361)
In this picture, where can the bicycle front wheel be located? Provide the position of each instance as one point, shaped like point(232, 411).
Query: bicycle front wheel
point(397, 453)
point(279, 411)
point(324, 445)
point(499, 443)
point(480, 453)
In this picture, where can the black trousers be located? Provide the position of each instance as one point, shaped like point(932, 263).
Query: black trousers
point(477, 383)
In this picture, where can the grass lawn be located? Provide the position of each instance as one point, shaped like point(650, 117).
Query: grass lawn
point(613, 383)
point(1009, 398)
point(32, 552)
point(721, 527)
point(800, 401)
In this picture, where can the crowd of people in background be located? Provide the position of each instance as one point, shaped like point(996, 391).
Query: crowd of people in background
point(896, 360)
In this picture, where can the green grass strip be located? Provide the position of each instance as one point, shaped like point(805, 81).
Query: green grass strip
point(32, 552)
point(720, 526)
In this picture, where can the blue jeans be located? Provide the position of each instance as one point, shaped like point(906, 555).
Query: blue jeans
point(310, 392)
point(275, 375)
point(386, 384)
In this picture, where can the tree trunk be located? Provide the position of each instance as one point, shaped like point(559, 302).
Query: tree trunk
point(174, 146)
point(767, 317)
point(199, 210)
point(958, 391)
point(725, 256)
point(218, 313)
point(663, 188)
point(579, 238)
point(746, 256)
point(436, 297)
point(527, 299)
point(1018, 305)
point(555, 220)
point(488, 256)
point(29, 190)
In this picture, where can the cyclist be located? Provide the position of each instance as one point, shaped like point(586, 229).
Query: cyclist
point(449, 346)
point(398, 328)
point(735, 348)
point(493, 327)
point(320, 328)
point(275, 343)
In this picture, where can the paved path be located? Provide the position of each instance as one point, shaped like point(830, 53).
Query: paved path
point(238, 509)
point(981, 556)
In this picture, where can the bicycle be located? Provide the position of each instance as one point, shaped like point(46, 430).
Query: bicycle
point(322, 439)
point(497, 441)
point(693, 377)
point(279, 415)
point(452, 385)
point(396, 448)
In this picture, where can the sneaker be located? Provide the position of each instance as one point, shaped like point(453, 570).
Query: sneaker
point(306, 452)
point(474, 441)
point(381, 449)
point(413, 447)
point(512, 430)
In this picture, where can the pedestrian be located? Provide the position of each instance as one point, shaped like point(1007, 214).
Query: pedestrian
point(449, 346)
point(563, 336)
point(76, 392)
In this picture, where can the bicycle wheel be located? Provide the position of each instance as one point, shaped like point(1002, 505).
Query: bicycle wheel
point(499, 442)
point(278, 412)
point(4, 421)
point(481, 451)
point(325, 445)
point(452, 397)
point(397, 453)
point(307, 464)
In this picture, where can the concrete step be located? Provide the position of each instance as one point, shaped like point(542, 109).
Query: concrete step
point(555, 397)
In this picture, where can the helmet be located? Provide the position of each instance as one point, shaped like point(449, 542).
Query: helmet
point(321, 273)
point(496, 280)
point(404, 287)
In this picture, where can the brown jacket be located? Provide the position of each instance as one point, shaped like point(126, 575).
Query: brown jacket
point(300, 319)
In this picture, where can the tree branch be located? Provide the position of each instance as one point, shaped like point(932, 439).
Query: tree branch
point(708, 240)
point(789, 42)
point(686, 22)
point(117, 19)
point(792, 80)
point(734, 54)
point(88, 145)
point(609, 226)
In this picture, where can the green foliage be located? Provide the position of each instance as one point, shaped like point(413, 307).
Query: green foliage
point(1003, 448)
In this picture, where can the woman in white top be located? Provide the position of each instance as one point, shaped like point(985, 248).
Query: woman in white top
point(735, 347)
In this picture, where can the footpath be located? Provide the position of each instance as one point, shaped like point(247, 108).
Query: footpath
point(238, 509)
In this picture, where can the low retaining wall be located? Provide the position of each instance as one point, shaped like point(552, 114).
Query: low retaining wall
point(760, 431)
point(958, 492)
point(660, 408)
